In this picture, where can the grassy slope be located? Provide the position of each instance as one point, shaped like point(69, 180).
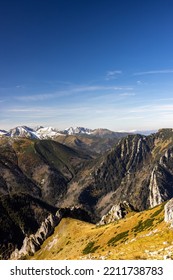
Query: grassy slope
point(142, 235)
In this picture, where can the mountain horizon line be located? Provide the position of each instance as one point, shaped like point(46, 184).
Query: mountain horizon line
point(75, 130)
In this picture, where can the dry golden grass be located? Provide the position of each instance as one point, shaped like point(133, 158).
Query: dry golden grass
point(142, 235)
point(160, 147)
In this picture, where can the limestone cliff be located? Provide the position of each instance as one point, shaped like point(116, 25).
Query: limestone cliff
point(138, 169)
point(33, 242)
point(154, 195)
point(169, 212)
point(115, 213)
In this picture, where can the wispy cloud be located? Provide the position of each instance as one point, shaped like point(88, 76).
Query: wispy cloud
point(70, 91)
point(165, 71)
point(129, 118)
point(45, 111)
point(127, 94)
point(165, 99)
point(112, 75)
point(93, 88)
point(152, 108)
point(24, 110)
point(34, 97)
point(140, 83)
point(19, 86)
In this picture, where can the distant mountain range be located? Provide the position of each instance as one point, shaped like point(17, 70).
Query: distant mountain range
point(27, 132)
point(41, 132)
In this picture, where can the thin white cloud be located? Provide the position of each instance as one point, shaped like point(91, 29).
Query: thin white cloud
point(36, 97)
point(165, 71)
point(165, 99)
point(111, 75)
point(19, 86)
point(140, 82)
point(82, 111)
point(45, 111)
point(24, 110)
point(152, 108)
point(127, 94)
point(69, 92)
point(93, 88)
point(129, 118)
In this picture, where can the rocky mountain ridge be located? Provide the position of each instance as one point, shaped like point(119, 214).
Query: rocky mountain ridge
point(41, 132)
point(41, 176)
point(33, 242)
point(138, 169)
point(138, 236)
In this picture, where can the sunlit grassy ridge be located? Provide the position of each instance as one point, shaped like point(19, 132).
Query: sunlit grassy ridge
point(142, 235)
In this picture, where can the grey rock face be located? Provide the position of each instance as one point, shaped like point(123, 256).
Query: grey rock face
point(169, 212)
point(138, 169)
point(154, 195)
point(116, 212)
point(33, 242)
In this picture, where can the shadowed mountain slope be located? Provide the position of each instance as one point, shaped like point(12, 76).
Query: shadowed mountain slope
point(138, 169)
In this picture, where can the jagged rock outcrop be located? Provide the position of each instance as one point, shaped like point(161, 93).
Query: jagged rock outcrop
point(33, 242)
point(161, 180)
point(169, 212)
point(116, 212)
point(20, 215)
point(154, 195)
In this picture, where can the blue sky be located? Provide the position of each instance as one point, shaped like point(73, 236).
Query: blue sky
point(106, 63)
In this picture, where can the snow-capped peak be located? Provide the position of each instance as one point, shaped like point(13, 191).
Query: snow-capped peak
point(50, 133)
point(77, 130)
point(47, 132)
point(27, 132)
point(23, 131)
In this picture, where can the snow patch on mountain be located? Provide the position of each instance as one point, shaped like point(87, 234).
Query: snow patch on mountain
point(23, 131)
point(4, 133)
point(47, 132)
point(77, 130)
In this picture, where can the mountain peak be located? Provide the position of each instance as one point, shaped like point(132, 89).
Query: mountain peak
point(77, 130)
point(47, 132)
point(23, 131)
